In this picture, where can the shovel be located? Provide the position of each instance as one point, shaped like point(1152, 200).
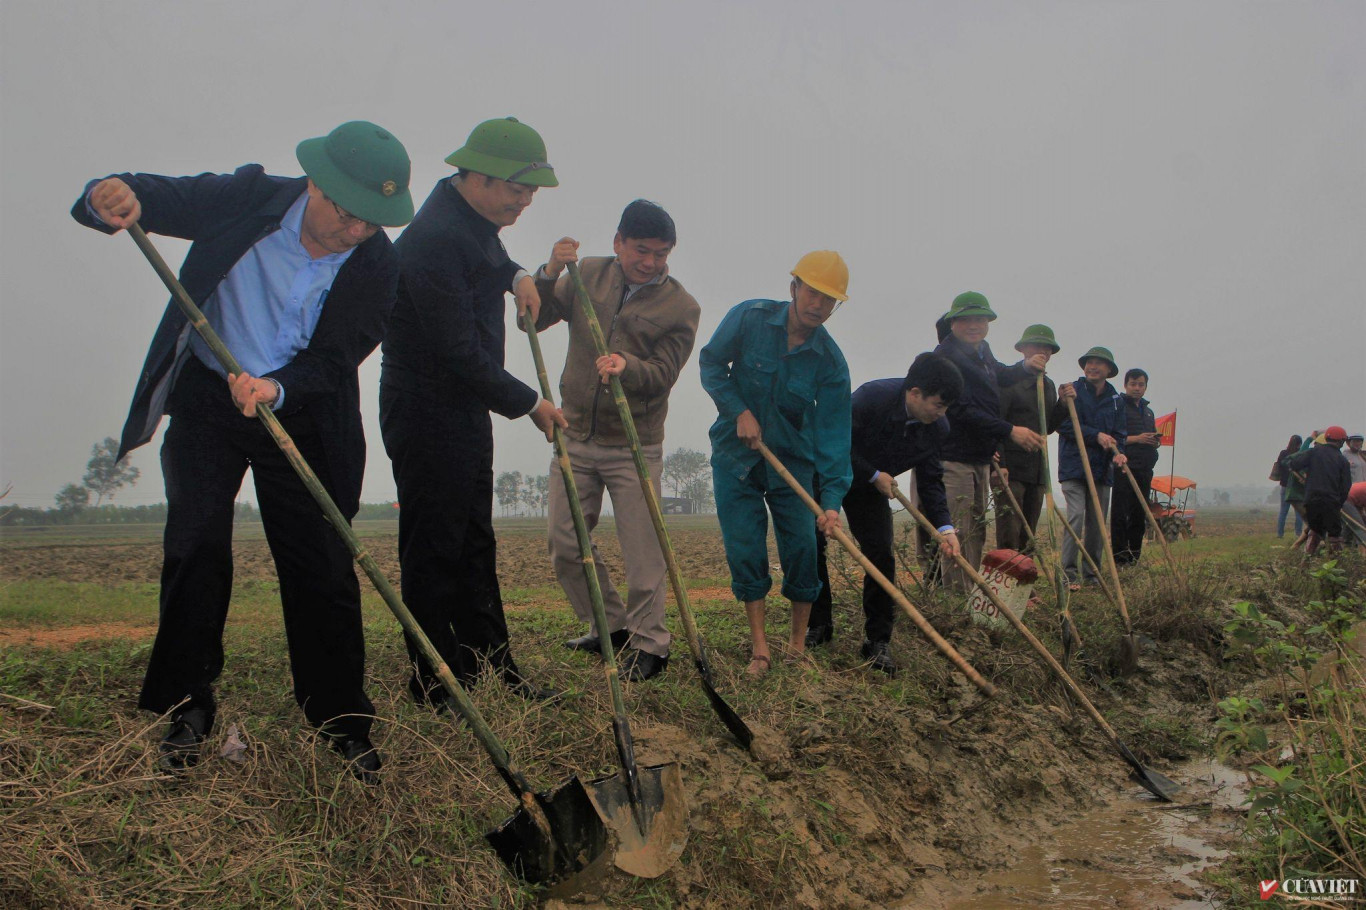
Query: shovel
point(1159, 785)
point(644, 807)
point(920, 621)
point(1128, 645)
point(553, 834)
point(1071, 636)
point(737, 727)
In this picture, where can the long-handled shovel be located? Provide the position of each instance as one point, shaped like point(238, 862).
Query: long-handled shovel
point(1159, 785)
point(643, 807)
point(553, 834)
point(923, 624)
point(737, 727)
point(1128, 645)
point(1071, 635)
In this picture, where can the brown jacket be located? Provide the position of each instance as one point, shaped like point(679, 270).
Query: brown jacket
point(654, 331)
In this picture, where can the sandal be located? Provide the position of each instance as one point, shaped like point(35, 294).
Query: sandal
point(759, 665)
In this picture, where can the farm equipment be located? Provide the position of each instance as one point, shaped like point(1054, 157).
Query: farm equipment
point(1168, 503)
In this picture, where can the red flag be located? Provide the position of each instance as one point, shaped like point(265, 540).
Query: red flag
point(1166, 425)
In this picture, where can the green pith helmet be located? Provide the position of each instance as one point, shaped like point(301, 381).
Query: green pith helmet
point(1038, 334)
point(364, 169)
point(507, 149)
point(1102, 353)
point(969, 303)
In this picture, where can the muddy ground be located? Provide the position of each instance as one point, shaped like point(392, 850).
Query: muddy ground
point(911, 794)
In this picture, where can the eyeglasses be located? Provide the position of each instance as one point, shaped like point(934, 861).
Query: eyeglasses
point(348, 220)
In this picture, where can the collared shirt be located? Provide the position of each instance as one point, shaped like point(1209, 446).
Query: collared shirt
point(800, 397)
point(267, 308)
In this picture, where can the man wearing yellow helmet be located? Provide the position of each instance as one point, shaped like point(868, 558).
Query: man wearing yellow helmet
point(778, 377)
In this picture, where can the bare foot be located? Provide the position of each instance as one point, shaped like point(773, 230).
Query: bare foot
point(759, 665)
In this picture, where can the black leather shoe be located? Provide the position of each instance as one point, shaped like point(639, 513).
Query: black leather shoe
point(879, 656)
point(361, 757)
point(589, 643)
point(818, 635)
point(180, 746)
point(638, 666)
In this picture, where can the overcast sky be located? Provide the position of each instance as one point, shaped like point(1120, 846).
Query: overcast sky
point(1182, 182)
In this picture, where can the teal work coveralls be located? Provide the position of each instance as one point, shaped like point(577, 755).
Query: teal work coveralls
point(801, 400)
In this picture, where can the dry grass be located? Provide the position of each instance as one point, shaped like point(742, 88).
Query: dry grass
point(885, 778)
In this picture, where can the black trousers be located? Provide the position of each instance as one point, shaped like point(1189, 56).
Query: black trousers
point(1323, 514)
point(204, 462)
point(443, 467)
point(870, 521)
point(1010, 527)
point(1127, 524)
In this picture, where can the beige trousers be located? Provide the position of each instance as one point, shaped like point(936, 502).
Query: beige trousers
point(967, 486)
point(611, 468)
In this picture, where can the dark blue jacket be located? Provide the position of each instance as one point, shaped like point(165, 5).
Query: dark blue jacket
point(885, 439)
point(1103, 413)
point(1327, 474)
point(447, 337)
point(224, 215)
point(975, 425)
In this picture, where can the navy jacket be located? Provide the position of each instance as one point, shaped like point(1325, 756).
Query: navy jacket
point(975, 424)
point(1138, 415)
point(1103, 413)
point(886, 439)
point(446, 339)
point(1327, 474)
point(224, 215)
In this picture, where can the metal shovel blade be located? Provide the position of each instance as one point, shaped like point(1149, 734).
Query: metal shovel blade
point(577, 836)
point(732, 721)
point(1156, 783)
point(651, 835)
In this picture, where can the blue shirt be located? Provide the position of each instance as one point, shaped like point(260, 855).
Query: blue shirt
point(267, 308)
point(800, 397)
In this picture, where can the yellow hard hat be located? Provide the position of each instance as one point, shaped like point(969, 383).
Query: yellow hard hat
point(825, 271)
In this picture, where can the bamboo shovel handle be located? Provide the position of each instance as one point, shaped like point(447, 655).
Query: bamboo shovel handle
point(920, 621)
point(1100, 516)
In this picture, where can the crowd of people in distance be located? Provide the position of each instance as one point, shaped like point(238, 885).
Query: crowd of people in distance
point(1322, 478)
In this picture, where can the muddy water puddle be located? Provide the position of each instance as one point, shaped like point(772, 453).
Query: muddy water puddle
point(1132, 851)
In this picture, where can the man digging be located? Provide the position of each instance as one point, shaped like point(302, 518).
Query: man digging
point(778, 377)
point(298, 279)
point(651, 324)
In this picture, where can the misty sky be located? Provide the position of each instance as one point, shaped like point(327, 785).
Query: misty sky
point(1182, 182)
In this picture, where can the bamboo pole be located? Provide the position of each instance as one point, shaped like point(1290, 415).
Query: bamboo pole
point(1104, 529)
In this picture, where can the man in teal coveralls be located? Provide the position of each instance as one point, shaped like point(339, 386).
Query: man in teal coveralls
point(778, 377)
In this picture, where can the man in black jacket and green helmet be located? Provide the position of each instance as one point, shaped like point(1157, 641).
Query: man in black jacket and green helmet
point(976, 428)
point(1024, 469)
point(441, 379)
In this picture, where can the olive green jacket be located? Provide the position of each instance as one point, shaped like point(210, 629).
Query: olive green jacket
point(1020, 406)
point(654, 332)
